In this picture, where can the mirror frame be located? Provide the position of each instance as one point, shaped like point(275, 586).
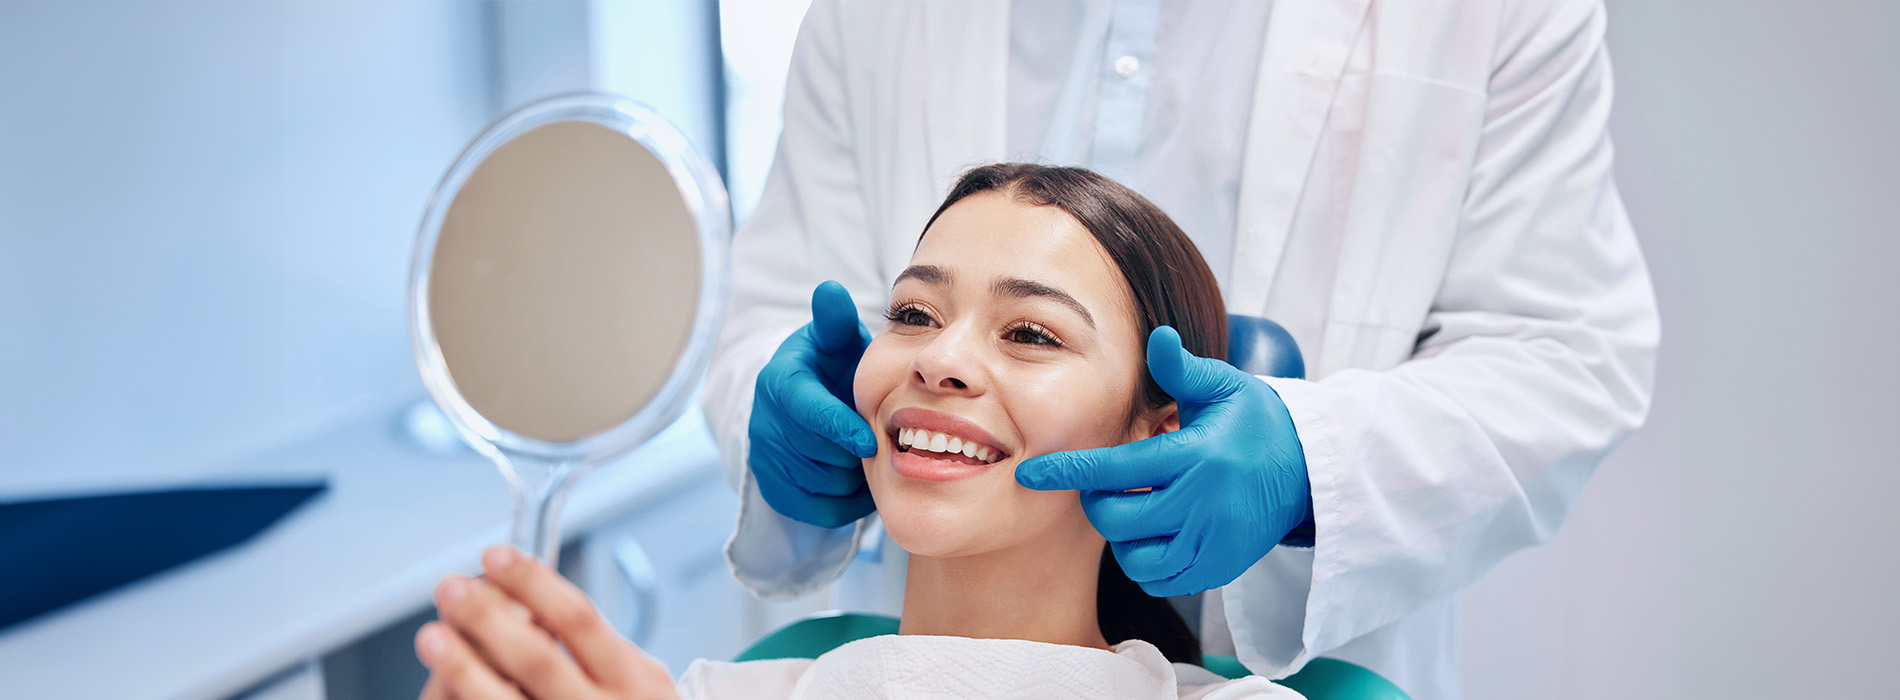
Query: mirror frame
point(704, 194)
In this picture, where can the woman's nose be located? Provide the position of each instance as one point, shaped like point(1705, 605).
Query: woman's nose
point(952, 362)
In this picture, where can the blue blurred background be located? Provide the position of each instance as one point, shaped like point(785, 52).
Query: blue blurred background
point(208, 207)
point(207, 210)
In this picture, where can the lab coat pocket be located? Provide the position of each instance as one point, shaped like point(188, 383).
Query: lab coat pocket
point(1395, 162)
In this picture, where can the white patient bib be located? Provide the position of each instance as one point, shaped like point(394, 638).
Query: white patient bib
point(918, 666)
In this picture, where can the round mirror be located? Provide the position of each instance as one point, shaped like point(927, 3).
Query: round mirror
point(568, 283)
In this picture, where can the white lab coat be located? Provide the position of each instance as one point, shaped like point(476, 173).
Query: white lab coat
point(1426, 202)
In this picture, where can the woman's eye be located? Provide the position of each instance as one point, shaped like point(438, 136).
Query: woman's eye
point(908, 316)
point(1031, 334)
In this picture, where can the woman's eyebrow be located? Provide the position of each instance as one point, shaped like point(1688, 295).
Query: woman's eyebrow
point(1023, 289)
point(927, 274)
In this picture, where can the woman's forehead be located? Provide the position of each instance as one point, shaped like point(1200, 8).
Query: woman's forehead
point(991, 237)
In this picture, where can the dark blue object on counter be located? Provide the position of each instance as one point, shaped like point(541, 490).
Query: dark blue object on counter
point(59, 551)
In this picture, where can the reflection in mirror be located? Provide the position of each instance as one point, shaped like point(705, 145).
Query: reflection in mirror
point(568, 281)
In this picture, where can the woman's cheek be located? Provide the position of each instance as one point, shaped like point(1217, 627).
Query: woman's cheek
point(874, 379)
point(1069, 407)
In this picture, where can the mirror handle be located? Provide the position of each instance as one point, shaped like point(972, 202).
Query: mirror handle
point(644, 581)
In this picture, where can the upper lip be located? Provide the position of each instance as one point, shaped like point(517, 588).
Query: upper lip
point(934, 421)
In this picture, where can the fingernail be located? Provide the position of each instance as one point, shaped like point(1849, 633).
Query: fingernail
point(499, 557)
point(454, 589)
point(431, 645)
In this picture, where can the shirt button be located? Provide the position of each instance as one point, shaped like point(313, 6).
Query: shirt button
point(1127, 66)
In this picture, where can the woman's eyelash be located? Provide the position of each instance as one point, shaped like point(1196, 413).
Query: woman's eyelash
point(1037, 335)
point(901, 313)
point(1022, 332)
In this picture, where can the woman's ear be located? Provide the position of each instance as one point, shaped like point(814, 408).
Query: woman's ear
point(1157, 421)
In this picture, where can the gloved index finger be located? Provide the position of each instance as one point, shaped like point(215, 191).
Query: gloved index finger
point(1150, 463)
point(811, 406)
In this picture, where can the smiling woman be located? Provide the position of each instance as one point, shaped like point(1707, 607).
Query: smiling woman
point(1018, 329)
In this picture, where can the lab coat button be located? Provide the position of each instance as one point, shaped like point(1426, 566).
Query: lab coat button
point(1127, 66)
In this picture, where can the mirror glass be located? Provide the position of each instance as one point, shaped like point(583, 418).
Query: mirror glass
point(569, 279)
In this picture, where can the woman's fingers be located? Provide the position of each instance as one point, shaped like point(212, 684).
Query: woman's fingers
point(503, 631)
point(436, 690)
point(564, 610)
point(456, 671)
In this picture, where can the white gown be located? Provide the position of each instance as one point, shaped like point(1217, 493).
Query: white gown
point(921, 666)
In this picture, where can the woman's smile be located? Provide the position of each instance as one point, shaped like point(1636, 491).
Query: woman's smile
point(936, 446)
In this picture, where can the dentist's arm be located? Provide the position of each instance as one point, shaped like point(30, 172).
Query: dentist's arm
point(1535, 359)
point(811, 226)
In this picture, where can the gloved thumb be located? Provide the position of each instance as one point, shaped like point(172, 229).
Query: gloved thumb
point(834, 322)
point(1186, 377)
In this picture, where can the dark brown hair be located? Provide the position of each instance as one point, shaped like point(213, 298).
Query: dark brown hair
point(1172, 286)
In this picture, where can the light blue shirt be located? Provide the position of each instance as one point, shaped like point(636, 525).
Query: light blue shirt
point(1155, 94)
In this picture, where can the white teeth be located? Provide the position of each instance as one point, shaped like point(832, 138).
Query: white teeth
point(918, 438)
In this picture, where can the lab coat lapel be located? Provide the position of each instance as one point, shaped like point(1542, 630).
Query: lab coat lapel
point(1300, 66)
point(967, 61)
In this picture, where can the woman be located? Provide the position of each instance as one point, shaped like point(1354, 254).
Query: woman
point(1017, 330)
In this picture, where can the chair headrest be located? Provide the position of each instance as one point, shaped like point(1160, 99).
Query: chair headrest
point(1261, 347)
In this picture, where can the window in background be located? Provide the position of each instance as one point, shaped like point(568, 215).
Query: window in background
point(207, 209)
point(206, 214)
point(757, 36)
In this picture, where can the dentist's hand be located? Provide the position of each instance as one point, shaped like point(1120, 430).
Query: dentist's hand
point(806, 438)
point(1227, 486)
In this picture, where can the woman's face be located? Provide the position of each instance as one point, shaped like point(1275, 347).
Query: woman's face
point(1012, 335)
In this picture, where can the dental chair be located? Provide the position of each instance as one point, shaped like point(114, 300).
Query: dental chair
point(1255, 345)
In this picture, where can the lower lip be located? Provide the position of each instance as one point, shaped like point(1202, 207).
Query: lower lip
point(917, 466)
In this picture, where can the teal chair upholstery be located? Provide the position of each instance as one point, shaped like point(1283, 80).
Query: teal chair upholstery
point(1321, 679)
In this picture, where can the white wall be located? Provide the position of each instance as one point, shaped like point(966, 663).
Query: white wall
point(1746, 544)
point(208, 207)
point(206, 213)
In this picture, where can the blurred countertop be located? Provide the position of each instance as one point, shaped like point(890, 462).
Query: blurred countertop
point(368, 552)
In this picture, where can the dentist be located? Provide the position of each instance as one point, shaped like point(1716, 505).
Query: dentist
point(1421, 193)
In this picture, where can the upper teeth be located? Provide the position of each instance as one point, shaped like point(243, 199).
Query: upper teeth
point(938, 442)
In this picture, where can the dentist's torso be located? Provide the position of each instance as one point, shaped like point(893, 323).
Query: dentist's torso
point(1381, 171)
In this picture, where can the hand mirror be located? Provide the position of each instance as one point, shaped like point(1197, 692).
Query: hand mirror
point(568, 282)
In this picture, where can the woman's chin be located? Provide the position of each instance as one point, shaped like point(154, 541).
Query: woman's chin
point(929, 529)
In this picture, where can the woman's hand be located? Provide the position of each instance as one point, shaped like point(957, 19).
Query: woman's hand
point(501, 636)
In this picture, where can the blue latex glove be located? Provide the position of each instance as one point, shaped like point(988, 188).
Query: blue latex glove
point(1228, 486)
point(807, 439)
